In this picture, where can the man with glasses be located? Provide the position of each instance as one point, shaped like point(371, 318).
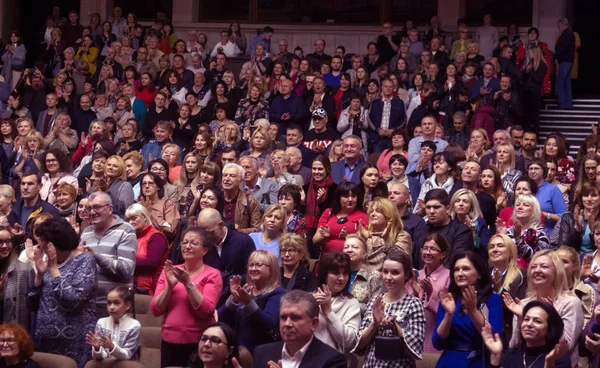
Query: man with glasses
point(459, 236)
point(319, 57)
point(413, 224)
point(229, 251)
point(349, 168)
point(28, 206)
point(113, 243)
point(142, 65)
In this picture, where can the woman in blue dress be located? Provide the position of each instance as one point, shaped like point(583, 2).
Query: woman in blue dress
point(62, 293)
point(467, 305)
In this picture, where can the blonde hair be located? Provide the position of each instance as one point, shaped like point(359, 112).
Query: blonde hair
point(536, 216)
point(334, 145)
point(560, 281)
point(511, 153)
point(183, 179)
point(35, 136)
point(574, 258)
point(512, 271)
point(262, 124)
point(229, 73)
point(7, 191)
point(139, 210)
point(121, 166)
point(257, 132)
point(269, 260)
point(475, 212)
point(390, 212)
point(487, 143)
point(295, 241)
point(270, 210)
point(538, 57)
point(173, 146)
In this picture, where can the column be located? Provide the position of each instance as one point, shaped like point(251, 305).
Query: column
point(186, 11)
point(88, 7)
point(450, 11)
point(546, 14)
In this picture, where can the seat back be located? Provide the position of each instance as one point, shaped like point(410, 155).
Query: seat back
point(143, 313)
point(150, 339)
point(112, 363)
point(47, 360)
point(429, 360)
point(373, 157)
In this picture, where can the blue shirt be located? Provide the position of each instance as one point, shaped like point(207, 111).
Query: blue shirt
point(331, 80)
point(259, 39)
point(272, 247)
point(414, 147)
point(551, 201)
point(348, 172)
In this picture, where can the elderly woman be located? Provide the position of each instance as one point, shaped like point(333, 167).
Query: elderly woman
point(295, 264)
point(61, 136)
point(365, 281)
point(66, 196)
point(342, 219)
point(20, 346)
point(274, 224)
point(550, 283)
point(280, 162)
point(464, 207)
point(433, 278)
point(526, 232)
point(339, 312)
point(186, 296)
point(171, 153)
point(7, 199)
point(17, 280)
point(118, 186)
point(393, 313)
point(384, 233)
point(56, 167)
point(152, 248)
point(163, 212)
point(253, 309)
point(507, 276)
point(62, 293)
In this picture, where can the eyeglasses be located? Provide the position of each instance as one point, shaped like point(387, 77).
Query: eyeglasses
point(6, 242)
point(158, 169)
point(53, 160)
point(256, 265)
point(291, 251)
point(430, 250)
point(96, 208)
point(148, 183)
point(9, 341)
point(213, 340)
point(186, 243)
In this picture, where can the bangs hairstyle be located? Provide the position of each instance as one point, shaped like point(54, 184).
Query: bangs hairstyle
point(269, 260)
point(139, 210)
point(513, 271)
point(345, 188)
point(440, 241)
point(213, 169)
point(335, 262)
point(536, 216)
point(26, 348)
point(388, 209)
point(475, 212)
point(272, 209)
point(560, 282)
point(295, 241)
point(293, 191)
point(398, 158)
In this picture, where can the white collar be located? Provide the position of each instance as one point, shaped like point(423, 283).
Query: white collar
point(299, 354)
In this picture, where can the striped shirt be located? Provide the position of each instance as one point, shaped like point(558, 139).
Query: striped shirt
point(115, 253)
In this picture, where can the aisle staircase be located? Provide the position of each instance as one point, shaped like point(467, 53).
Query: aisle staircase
point(574, 124)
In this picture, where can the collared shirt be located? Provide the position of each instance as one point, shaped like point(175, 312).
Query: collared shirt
point(220, 245)
point(349, 171)
point(288, 361)
point(385, 116)
point(414, 147)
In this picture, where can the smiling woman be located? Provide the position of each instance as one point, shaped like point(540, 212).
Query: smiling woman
point(16, 347)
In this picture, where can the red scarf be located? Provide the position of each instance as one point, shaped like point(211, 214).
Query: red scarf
point(312, 205)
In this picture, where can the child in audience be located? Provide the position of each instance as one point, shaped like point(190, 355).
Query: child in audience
point(118, 335)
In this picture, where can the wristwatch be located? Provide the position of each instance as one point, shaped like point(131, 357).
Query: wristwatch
point(190, 285)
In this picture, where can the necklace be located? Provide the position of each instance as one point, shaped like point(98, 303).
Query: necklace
point(531, 365)
point(60, 265)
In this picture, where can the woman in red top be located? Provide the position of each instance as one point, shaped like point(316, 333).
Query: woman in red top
point(146, 92)
point(523, 185)
point(342, 219)
point(152, 248)
point(343, 94)
point(555, 147)
point(483, 116)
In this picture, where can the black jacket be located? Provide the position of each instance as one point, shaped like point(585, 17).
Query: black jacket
point(568, 235)
point(81, 120)
point(154, 117)
point(14, 217)
point(458, 235)
point(318, 355)
point(328, 105)
point(303, 279)
point(564, 50)
point(507, 112)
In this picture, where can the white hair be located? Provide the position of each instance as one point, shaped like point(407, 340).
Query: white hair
point(232, 165)
point(104, 196)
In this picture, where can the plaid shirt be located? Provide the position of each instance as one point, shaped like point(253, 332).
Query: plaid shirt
point(411, 317)
point(385, 116)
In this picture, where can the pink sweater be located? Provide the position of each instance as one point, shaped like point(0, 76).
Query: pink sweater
point(183, 324)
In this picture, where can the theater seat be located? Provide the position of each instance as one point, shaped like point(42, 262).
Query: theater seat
point(429, 360)
point(150, 347)
point(111, 363)
point(373, 157)
point(143, 313)
point(47, 360)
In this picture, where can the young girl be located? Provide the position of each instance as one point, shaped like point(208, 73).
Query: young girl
point(118, 335)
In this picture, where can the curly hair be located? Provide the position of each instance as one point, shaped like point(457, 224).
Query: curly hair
point(21, 335)
point(64, 161)
point(58, 232)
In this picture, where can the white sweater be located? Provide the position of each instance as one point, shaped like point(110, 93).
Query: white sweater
point(125, 335)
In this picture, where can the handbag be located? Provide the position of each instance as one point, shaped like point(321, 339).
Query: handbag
point(389, 347)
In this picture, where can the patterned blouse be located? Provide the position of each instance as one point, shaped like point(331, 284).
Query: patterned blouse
point(365, 285)
point(411, 317)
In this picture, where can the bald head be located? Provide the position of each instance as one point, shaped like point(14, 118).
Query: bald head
point(295, 158)
point(210, 220)
point(399, 195)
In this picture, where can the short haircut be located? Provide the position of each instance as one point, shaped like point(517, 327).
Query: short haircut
point(136, 157)
point(541, 163)
point(293, 190)
point(231, 165)
point(459, 115)
point(429, 144)
point(344, 189)
point(104, 196)
point(297, 296)
point(532, 184)
point(437, 195)
point(22, 337)
point(400, 158)
point(58, 232)
point(67, 188)
point(200, 231)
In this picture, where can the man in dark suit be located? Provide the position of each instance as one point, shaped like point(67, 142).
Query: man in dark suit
point(349, 168)
point(298, 320)
point(387, 114)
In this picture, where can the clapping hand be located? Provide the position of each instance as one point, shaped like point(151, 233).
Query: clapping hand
point(320, 194)
point(469, 299)
point(559, 350)
point(272, 364)
point(170, 274)
point(182, 275)
point(234, 284)
point(325, 232)
point(500, 226)
point(378, 311)
point(323, 298)
point(426, 285)
point(493, 342)
point(447, 301)
point(513, 305)
point(93, 339)
point(243, 294)
point(586, 269)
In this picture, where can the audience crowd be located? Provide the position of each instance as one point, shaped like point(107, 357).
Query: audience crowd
point(309, 210)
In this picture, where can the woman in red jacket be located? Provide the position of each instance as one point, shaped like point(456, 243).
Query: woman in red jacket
point(533, 35)
point(147, 90)
point(483, 116)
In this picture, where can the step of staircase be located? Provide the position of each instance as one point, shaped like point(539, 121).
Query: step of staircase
point(575, 124)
